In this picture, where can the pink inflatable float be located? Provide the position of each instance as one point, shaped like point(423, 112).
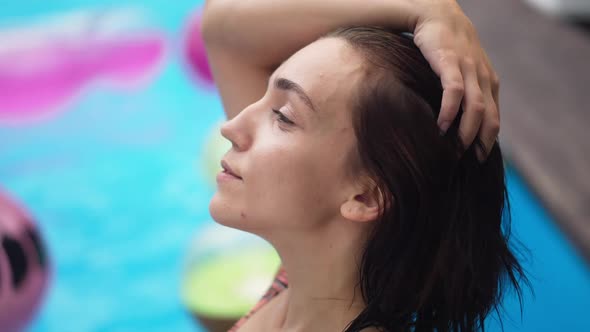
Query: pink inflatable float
point(24, 268)
point(195, 51)
point(46, 64)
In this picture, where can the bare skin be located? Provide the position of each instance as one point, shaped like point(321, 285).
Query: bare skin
point(295, 191)
point(291, 152)
point(242, 48)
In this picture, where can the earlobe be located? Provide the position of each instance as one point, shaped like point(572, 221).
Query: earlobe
point(364, 202)
point(358, 209)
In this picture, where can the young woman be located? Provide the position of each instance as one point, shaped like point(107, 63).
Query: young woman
point(340, 160)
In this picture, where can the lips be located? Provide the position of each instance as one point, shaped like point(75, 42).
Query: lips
point(227, 169)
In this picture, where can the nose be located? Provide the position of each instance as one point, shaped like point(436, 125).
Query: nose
point(237, 132)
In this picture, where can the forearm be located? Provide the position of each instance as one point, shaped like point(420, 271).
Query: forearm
point(266, 32)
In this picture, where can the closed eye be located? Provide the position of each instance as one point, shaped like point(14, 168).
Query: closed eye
point(282, 117)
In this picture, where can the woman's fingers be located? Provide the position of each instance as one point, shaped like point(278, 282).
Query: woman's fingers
point(494, 82)
point(474, 106)
point(450, 44)
point(437, 42)
point(453, 90)
point(490, 125)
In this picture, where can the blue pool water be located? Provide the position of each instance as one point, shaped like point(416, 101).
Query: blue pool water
point(117, 188)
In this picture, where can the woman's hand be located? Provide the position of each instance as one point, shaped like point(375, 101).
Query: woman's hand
point(241, 44)
point(450, 43)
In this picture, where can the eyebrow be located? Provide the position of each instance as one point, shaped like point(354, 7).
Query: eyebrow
point(288, 85)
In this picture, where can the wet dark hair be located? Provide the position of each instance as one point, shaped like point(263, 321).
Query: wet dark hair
point(438, 258)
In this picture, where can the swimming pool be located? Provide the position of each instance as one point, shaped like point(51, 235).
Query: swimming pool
point(115, 184)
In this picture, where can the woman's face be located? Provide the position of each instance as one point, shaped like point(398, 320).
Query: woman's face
point(292, 147)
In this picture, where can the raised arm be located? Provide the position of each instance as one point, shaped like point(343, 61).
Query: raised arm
point(247, 40)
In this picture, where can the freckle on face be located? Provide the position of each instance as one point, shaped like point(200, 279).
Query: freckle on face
point(243, 215)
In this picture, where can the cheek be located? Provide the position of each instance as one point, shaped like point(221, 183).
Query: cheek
point(293, 184)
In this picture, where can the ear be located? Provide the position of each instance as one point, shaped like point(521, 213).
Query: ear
point(363, 205)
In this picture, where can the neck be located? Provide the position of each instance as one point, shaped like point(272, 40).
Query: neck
point(323, 271)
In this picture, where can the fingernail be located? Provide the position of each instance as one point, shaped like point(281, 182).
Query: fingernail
point(444, 126)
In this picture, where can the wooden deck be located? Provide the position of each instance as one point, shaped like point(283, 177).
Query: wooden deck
point(544, 69)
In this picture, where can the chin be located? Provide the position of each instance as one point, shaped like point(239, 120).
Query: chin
point(223, 213)
point(231, 214)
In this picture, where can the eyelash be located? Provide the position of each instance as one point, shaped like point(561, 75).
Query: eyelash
point(282, 118)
